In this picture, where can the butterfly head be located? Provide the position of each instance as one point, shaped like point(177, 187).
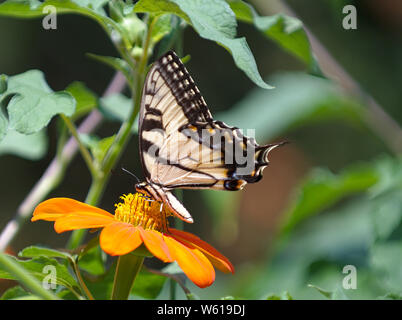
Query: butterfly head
point(144, 188)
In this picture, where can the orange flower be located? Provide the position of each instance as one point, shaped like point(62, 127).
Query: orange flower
point(138, 220)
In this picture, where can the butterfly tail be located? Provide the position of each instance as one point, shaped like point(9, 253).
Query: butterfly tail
point(262, 152)
point(261, 161)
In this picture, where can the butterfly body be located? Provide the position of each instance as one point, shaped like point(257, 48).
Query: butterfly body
point(182, 146)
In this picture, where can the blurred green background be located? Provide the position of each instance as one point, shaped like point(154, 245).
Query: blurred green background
point(330, 198)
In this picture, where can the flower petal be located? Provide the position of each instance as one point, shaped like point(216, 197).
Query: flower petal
point(192, 261)
point(156, 245)
point(217, 259)
point(119, 238)
point(55, 208)
point(81, 220)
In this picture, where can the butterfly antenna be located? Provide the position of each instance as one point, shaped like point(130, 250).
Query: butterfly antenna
point(132, 174)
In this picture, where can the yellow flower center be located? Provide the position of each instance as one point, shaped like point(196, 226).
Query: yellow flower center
point(141, 210)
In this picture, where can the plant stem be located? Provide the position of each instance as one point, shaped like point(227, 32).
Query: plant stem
point(23, 276)
point(174, 278)
point(61, 141)
point(81, 281)
point(116, 150)
point(84, 151)
point(172, 289)
point(93, 196)
point(127, 269)
point(178, 224)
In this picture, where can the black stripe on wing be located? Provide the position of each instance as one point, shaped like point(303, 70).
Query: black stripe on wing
point(242, 159)
point(183, 88)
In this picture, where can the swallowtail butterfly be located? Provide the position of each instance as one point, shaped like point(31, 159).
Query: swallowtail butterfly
point(182, 146)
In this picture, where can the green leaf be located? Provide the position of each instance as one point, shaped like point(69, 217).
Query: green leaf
point(15, 293)
point(33, 103)
point(386, 213)
point(386, 261)
point(3, 125)
point(243, 58)
point(117, 106)
point(34, 9)
point(3, 118)
point(289, 33)
point(243, 11)
point(20, 8)
point(116, 63)
point(36, 268)
point(160, 7)
point(168, 40)
point(82, 250)
point(35, 251)
point(391, 296)
point(390, 172)
point(86, 100)
point(219, 27)
point(134, 27)
point(322, 189)
point(32, 147)
point(161, 28)
point(286, 31)
point(148, 285)
point(325, 293)
point(118, 9)
point(284, 296)
point(98, 147)
point(93, 261)
point(11, 268)
point(101, 286)
point(90, 8)
point(212, 15)
point(386, 197)
point(95, 5)
point(3, 83)
point(337, 294)
point(66, 295)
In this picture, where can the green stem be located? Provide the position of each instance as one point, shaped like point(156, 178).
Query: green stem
point(178, 224)
point(172, 289)
point(61, 142)
point(127, 269)
point(84, 151)
point(23, 276)
point(81, 281)
point(99, 182)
